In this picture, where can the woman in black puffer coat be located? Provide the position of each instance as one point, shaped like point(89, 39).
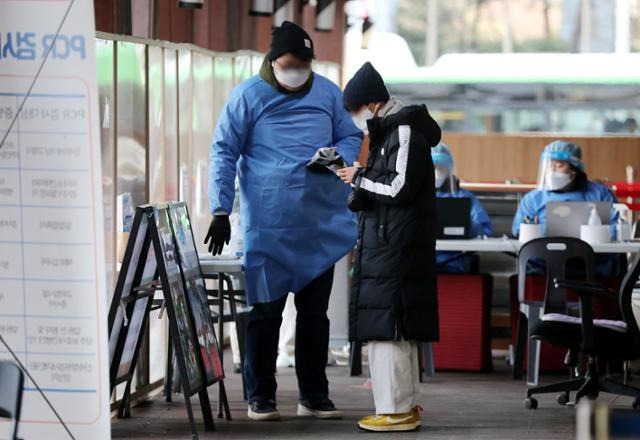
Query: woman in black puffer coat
point(394, 300)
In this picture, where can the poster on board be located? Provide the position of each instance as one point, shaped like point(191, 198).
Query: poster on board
point(52, 269)
point(170, 266)
point(196, 291)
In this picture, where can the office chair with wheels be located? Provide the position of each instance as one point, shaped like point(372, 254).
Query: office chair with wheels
point(11, 381)
point(556, 253)
point(601, 340)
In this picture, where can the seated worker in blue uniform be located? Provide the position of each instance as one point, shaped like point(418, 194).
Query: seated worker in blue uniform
point(562, 178)
point(447, 186)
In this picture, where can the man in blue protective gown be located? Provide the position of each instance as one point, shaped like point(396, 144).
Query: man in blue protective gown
point(562, 178)
point(448, 186)
point(296, 221)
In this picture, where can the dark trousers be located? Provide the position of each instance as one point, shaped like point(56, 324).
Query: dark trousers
point(312, 343)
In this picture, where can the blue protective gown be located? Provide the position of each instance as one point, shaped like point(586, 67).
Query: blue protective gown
point(296, 223)
point(480, 225)
point(534, 204)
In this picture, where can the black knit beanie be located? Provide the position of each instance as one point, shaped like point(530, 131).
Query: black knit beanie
point(365, 87)
point(289, 37)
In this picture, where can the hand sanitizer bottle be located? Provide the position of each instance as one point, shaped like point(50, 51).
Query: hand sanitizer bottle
point(594, 218)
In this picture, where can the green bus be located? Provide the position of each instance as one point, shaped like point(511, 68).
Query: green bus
point(586, 94)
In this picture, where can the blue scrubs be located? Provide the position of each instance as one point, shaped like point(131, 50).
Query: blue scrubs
point(480, 226)
point(534, 204)
point(296, 223)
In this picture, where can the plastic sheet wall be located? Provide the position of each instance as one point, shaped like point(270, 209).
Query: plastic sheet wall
point(159, 103)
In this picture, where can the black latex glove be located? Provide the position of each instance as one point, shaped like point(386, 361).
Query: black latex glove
point(219, 234)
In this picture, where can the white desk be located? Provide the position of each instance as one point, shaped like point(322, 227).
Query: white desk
point(511, 245)
point(215, 265)
point(231, 265)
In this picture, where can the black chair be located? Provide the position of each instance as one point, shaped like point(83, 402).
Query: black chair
point(556, 253)
point(11, 381)
point(603, 341)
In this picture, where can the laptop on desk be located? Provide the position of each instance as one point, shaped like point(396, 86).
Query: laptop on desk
point(565, 218)
point(454, 218)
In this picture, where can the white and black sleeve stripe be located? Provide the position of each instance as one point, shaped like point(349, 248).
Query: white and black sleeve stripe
point(398, 182)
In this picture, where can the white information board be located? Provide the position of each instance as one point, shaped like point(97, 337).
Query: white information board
point(52, 277)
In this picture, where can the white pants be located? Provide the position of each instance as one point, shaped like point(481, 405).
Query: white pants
point(235, 345)
point(395, 375)
point(287, 340)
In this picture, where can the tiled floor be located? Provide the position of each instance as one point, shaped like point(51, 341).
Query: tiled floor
point(457, 406)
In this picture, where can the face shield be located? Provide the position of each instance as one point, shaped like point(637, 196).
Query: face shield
point(555, 171)
point(445, 179)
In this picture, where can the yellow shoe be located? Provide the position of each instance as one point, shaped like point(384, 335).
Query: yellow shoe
point(416, 410)
point(390, 422)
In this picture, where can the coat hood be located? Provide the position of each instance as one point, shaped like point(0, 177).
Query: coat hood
point(415, 116)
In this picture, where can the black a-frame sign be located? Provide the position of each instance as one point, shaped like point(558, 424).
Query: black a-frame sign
point(131, 302)
point(161, 256)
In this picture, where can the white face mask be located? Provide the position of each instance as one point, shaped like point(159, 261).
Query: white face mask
point(557, 180)
point(441, 176)
point(291, 78)
point(360, 120)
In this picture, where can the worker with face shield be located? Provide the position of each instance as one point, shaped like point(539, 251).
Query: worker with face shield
point(448, 186)
point(562, 178)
